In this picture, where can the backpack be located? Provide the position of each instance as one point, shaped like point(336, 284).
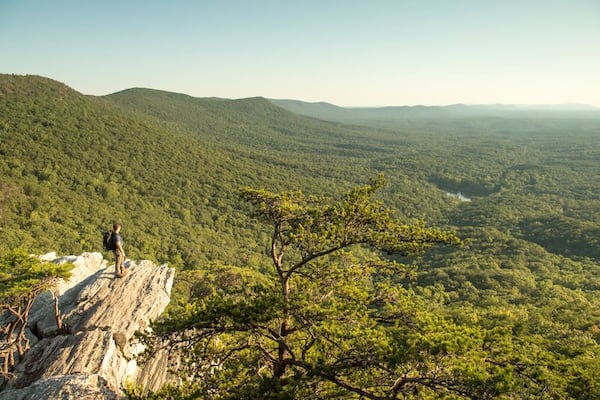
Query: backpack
point(107, 241)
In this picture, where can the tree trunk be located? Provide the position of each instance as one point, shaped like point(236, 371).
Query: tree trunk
point(59, 323)
point(280, 366)
point(22, 340)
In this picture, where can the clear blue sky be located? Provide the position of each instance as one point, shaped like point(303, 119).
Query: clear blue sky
point(350, 53)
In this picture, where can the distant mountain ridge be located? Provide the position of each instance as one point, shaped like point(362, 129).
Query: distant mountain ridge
point(255, 109)
point(391, 114)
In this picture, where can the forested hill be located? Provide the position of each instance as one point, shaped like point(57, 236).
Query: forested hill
point(254, 123)
point(72, 164)
point(180, 107)
point(167, 165)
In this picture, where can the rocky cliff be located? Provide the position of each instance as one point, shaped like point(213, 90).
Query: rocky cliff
point(94, 354)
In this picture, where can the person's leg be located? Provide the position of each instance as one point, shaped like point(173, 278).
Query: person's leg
point(119, 270)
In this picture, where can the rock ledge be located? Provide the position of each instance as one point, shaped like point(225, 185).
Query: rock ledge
point(94, 355)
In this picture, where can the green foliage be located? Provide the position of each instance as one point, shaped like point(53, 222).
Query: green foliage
point(22, 278)
point(168, 392)
point(169, 167)
point(72, 165)
point(22, 275)
point(314, 227)
point(329, 322)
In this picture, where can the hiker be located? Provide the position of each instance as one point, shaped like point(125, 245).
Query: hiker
point(117, 242)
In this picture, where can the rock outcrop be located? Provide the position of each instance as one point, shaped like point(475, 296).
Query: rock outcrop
point(94, 354)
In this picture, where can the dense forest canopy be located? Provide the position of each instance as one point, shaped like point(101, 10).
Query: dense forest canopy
point(169, 167)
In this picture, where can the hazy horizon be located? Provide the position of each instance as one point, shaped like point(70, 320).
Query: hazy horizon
point(350, 54)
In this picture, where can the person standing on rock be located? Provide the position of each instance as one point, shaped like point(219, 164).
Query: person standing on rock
point(117, 242)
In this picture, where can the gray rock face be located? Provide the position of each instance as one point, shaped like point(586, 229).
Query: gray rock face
point(93, 356)
point(80, 386)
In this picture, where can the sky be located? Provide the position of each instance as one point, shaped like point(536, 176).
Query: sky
point(346, 52)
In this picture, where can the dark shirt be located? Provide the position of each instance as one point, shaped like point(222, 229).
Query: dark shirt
point(117, 240)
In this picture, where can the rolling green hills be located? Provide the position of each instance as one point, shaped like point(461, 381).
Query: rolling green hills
point(170, 166)
point(72, 164)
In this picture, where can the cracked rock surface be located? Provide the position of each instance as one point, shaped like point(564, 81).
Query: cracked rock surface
point(94, 354)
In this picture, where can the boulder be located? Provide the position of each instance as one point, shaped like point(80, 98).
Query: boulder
point(96, 349)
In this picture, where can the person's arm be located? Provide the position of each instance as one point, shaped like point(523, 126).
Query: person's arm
point(120, 249)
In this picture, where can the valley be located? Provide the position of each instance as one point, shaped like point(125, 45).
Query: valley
point(170, 167)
